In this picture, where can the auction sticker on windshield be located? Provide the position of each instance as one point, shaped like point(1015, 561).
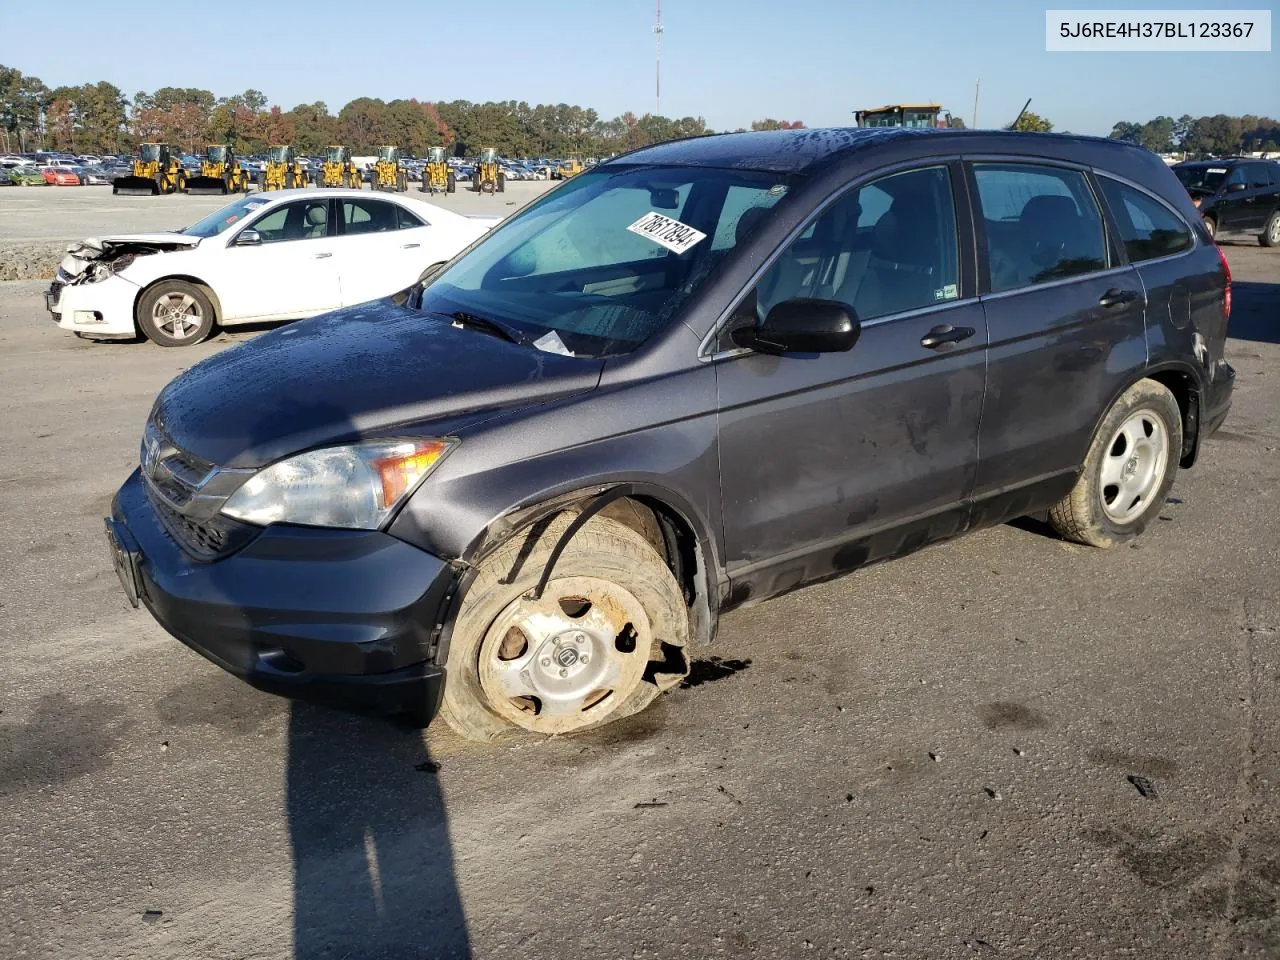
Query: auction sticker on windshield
point(664, 231)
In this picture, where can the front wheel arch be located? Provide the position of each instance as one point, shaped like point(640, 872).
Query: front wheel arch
point(686, 544)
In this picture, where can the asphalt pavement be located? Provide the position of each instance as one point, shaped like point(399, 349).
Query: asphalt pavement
point(1004, 746)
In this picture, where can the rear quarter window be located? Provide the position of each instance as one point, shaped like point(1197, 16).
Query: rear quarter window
point(1147, 227)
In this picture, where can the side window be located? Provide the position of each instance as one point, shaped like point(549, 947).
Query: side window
point(884, 248)
point(1237, 175)
point(1257, 174)
point(301, 220)
point(368, 216)
point(1148, 228)
point(1042, 224)
point(406, 220)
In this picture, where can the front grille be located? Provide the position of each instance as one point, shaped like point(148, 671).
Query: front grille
point(205, 540)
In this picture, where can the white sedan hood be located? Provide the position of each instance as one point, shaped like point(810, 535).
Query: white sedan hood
point(83, 253)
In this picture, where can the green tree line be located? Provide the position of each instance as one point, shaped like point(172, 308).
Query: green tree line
point(99, 118)
point(1219, 135)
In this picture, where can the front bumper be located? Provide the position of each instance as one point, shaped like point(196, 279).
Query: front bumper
point(101, 310)
point(340, 617)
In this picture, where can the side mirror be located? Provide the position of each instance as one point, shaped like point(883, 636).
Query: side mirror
point(1236, 187)
point(249, 238)
point(802, 325)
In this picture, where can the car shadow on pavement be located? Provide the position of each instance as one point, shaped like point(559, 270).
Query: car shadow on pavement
point(372, 861)
point(1255, 312)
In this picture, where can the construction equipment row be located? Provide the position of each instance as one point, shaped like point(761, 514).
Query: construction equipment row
point(156, 170)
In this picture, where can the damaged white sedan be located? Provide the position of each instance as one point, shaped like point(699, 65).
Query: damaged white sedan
point(282, 255)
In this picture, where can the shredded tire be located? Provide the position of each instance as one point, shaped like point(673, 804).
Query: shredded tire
point(603, 549)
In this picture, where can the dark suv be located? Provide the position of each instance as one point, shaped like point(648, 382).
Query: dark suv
point(691, 378)
point(1236, 196)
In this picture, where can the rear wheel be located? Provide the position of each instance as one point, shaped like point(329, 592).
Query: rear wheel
point(502, 183)
point(1211, 224)
point(451, 185)
point(1130, 467)
point(175, 313)
point(609, 633)
point(1270, 236)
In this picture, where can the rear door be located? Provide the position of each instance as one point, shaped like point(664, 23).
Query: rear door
point(1065, 318)
point(383, 248)
point(821, 450)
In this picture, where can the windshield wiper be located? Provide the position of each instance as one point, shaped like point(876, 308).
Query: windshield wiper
point(485, 325)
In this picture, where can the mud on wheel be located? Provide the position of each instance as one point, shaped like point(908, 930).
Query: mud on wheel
point(1129, 469)
point(609, 633)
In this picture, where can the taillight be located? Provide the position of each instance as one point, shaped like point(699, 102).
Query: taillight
point(1226, 270)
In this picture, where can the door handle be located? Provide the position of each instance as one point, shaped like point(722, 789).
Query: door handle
point(944, 335)
point(1116, 297)
point(410, 246)
point(323, 256)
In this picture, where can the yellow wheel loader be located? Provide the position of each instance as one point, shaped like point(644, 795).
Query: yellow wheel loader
point(282, 171)
point(220, 172)
point(567, 168)
point(155, 170)
point(436, 176)
point(488, 176)
point(389, 173)
point(338, 170)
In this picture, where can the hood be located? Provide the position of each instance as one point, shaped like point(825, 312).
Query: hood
point(352, 373)
point(84, 252)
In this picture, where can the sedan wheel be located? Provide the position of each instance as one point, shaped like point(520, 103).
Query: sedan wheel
point(1271, 232)
point(175, 313)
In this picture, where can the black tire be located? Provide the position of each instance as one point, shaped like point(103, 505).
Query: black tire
point(1270, 235)
point(200, 310)
point(452, 184)
point(609, 553)
point(1211, 224)
point(288, 180)
point(1101, 513)
point(261, 181)
point(502, 183)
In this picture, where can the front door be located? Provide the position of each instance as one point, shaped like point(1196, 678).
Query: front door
point(817, 451)
point(291, 273)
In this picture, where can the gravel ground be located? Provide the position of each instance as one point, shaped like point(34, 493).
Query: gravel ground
point(36, 223)
point(1006, 746)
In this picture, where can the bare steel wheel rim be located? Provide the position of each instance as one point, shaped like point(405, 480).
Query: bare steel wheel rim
point(1134, 466)
point(1274, 230)
point(565, 661)
point(177, 314)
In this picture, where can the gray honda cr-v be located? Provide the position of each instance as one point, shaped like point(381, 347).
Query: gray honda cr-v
point(696, 376)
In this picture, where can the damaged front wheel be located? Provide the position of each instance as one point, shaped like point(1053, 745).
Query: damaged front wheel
point(608, 634)
point(175, 313)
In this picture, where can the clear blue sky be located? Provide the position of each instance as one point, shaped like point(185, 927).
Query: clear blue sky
point(730, 61)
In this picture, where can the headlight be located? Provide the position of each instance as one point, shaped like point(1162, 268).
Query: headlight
point(356, 486)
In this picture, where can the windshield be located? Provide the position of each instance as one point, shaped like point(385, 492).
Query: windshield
point(601, 264)
point(488, 156)
point(1201, 178)
point(217, 154)
point(231, 214)
point(279, 154)
point(150, 152)
point(333, 155)
point(387, 153)
point(436, 154)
